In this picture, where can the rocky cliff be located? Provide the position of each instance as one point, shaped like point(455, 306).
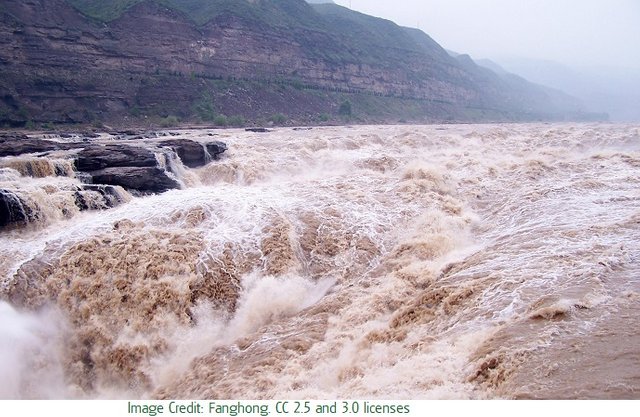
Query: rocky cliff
point(79, 61)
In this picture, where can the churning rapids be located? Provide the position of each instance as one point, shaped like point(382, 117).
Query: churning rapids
point(394, 262)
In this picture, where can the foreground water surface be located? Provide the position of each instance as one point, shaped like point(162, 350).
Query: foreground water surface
point(393, 262)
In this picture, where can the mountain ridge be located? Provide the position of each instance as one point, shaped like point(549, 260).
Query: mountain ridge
point(247, 60)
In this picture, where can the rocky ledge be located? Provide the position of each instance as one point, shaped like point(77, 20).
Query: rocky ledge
point(138, 168)
point(143, 167)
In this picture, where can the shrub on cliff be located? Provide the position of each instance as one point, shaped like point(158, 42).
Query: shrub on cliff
point(169, 121)
point(220, 120)
point(345, 108)
point(237, 121)
point(278, 119)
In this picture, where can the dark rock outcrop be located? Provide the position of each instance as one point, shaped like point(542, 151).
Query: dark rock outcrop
point(134, 167)
point(141, 179)
point(194, 154)
point(17, 210)
point(110, 197)
point(96, 157)
point(19, 145)
point(191, 153)
point(216, 148)
point(13, 210)
point(102, 169)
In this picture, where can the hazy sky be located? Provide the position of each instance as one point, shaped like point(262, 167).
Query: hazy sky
point(575, 32)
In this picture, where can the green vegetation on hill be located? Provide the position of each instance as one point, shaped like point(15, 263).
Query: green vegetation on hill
point(341, 35)
point(365, 33)
point(103, 10)
point(287, 13)
point(347, 36)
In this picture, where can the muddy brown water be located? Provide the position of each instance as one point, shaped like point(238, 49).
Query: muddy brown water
point(389, 262)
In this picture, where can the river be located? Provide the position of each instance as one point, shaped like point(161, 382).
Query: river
point(379, 262)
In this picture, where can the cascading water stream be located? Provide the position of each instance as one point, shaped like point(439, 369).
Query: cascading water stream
point(489, 261)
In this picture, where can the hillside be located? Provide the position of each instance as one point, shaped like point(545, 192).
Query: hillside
point(609, 88)
point(236, 62)
point(284, 13)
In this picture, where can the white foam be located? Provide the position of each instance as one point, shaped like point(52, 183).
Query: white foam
point(31, 354)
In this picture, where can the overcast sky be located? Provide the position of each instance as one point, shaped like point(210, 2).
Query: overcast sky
point(574, 32)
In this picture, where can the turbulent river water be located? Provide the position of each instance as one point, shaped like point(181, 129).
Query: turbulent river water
point(389, 262)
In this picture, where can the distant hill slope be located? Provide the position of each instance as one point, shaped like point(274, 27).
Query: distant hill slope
point(605, 88)
point(493, 66)
point(132, 61)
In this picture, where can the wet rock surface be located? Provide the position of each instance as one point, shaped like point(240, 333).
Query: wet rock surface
point(216, 148)
point(194, 154)
point(96, 157)
point(141, 179)
point(111, 196)
point(141, 167)
point(14, 145)
point(13, 209)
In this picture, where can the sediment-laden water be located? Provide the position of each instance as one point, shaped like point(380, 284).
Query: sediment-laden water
point(394, 262)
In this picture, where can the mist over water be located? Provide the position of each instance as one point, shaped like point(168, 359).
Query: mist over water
point(405, 262)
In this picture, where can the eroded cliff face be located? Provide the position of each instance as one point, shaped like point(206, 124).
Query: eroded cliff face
point(58, 65)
